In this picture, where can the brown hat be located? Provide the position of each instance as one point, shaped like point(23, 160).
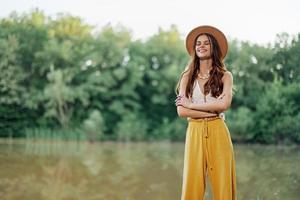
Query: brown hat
point(220, 37)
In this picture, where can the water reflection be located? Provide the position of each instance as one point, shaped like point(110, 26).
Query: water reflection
point(125, 171)
point(268, 172)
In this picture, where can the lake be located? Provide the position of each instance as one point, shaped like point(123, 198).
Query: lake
point(45, 170)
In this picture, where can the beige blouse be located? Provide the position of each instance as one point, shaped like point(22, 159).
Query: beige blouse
point(198, 97)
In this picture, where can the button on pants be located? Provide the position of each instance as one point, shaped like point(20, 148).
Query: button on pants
point(208, 153)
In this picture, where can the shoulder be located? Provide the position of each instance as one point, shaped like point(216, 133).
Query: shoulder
point(227, 77)
point(186, 72)
point(185, 75)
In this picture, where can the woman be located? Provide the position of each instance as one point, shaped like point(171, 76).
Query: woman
point(204, 92)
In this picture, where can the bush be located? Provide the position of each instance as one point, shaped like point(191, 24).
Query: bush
point(94, 126)
point(277, 114)
point(240, 123)
point(132, 128)
point(171, 130)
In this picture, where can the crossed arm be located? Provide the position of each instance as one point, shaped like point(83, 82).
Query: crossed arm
point(185, 108)
point(186, 112)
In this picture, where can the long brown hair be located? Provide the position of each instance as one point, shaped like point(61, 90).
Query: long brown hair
point(214, 83)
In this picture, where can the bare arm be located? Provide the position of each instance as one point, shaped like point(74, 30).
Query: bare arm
point(186, 112)
point(219, 105)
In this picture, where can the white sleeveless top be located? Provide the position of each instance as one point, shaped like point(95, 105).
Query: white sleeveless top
point(198, 97)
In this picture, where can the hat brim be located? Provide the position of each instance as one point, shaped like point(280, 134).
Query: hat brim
point(220, 37)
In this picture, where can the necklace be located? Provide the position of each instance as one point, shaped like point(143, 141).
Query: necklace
point(206, 76)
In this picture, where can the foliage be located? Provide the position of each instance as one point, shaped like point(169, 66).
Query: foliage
point(62, 74)
point(94, 125)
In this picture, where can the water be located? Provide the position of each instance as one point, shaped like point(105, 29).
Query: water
point(134, 171)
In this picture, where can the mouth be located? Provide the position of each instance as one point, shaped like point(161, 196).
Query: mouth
point(202, 50)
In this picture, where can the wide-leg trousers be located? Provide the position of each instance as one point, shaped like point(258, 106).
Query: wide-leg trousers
point(208, 152)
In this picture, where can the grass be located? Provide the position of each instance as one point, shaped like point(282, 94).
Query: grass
point(55, 134)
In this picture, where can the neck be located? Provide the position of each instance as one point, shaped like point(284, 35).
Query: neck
point(205, 66)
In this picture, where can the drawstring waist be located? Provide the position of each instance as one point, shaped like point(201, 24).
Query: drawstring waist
point(203, 119)
point(205, 132)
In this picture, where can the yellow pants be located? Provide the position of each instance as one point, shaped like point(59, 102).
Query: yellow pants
point(208, 148)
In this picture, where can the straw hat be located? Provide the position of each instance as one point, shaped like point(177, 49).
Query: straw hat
point(220, 37)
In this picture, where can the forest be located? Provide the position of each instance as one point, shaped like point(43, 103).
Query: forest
point(62, 78)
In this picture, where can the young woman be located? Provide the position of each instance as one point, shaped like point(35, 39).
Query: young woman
point(204, 92)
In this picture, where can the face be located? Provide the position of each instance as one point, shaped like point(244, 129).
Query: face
point(203, 47)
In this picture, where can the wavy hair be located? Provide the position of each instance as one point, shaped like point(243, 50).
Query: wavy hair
point(214, 83)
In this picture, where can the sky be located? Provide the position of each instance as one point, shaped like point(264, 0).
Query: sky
point(257, 21)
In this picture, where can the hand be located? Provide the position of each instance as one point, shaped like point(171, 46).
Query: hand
point(221, 96)
point(181, 100)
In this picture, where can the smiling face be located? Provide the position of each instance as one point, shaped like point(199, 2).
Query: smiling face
point(203, 47)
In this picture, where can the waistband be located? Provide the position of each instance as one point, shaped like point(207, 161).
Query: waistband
point(203, 119)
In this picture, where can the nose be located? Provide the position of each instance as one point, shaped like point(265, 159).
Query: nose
point(202, 46)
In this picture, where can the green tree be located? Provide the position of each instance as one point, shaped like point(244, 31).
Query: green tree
point(11, 75)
